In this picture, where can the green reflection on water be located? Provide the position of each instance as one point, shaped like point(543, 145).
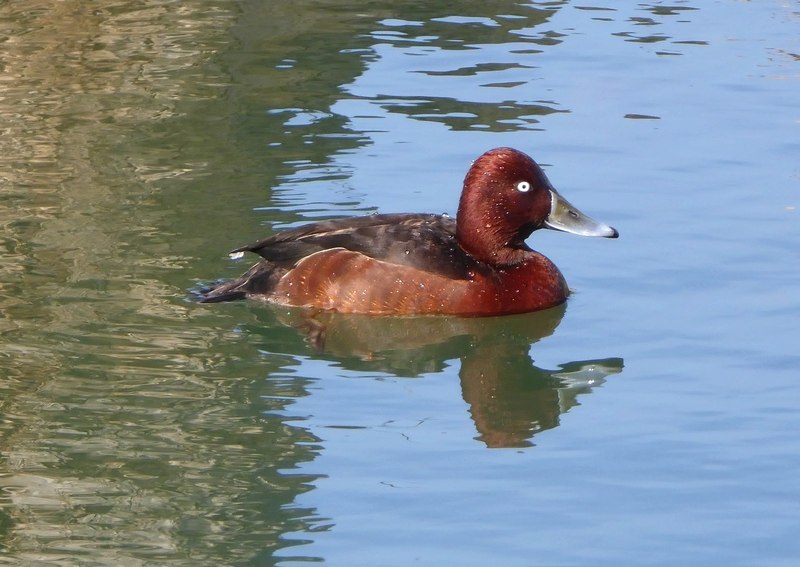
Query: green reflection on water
point(127, 435)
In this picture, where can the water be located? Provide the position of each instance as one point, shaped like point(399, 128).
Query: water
point(650, 421)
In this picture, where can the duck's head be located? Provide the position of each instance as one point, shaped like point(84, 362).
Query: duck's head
point(506, 197)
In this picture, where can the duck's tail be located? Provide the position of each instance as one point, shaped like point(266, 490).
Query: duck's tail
point(228, 291)
point(257, 281)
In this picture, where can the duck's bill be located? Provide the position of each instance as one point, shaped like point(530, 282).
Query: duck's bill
point(563, 216)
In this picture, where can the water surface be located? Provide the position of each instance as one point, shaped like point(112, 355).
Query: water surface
point(651, 420)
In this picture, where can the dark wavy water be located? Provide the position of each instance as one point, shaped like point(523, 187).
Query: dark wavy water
point(652, 420)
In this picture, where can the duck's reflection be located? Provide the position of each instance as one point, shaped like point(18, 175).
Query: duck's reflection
point(510, 398)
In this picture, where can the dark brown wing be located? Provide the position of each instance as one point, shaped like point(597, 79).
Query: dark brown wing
point(423, 241)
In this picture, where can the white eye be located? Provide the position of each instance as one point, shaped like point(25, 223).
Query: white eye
point(523, 186)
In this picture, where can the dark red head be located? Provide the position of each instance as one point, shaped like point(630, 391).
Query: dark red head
point(506, 197)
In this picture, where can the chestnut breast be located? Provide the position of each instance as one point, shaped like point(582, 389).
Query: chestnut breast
point(351, 282)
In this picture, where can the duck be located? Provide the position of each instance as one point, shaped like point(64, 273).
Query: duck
point(410, 264)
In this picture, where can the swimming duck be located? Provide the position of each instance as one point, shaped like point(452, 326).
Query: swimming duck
point(423, 264)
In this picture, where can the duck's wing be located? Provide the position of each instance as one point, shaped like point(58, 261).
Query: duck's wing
point(423, 241)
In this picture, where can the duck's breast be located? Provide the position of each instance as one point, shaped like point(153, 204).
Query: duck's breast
point(350, 282)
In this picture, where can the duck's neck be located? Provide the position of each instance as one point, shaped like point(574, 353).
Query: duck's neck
point(488, 239)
